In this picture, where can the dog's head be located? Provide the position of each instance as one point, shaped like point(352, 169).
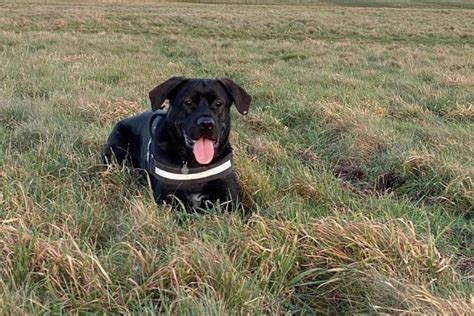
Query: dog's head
point(200, 112)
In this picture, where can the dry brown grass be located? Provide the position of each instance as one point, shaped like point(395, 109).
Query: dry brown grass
point(328, 257)
point(419, 160)
point(257, 186)
point(463, 112)
point(361, 123)
point(67, 268)
point(348, 104)
point(307, 191)
point(111, 111)
point(454, 79)
point(270, 150)
point(462, 187)
point(265, 123)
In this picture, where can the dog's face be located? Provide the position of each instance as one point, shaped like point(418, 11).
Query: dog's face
point(200, 112)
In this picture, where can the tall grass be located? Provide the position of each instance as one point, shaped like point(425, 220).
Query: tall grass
point(356, 161)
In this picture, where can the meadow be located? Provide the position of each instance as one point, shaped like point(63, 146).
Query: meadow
point(356, 162)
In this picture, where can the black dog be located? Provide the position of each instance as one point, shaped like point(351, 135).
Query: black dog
point(185, 150)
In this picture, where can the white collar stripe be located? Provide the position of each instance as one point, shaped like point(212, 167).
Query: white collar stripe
point(193, 176)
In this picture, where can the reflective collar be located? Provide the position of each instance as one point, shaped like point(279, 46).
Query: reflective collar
point(184, 175)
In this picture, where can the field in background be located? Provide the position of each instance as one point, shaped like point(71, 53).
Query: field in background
point(437, 4)
point(356, 162)
point(453, 4)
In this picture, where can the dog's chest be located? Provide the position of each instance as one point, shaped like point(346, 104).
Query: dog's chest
point(195, 199)
point(195, 194)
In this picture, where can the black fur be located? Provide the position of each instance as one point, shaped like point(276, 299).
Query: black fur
point(194, 103)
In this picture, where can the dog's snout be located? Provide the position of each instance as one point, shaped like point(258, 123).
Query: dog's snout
point(206, 122)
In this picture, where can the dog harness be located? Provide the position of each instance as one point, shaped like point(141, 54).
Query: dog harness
point(180, 175)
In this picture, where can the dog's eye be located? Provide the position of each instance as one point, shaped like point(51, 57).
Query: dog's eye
point(218, 103)
point(188, 102)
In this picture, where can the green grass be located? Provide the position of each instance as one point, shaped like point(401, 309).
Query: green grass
point(356, 162)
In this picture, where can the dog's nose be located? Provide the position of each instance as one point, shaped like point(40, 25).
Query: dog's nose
point(206, 123)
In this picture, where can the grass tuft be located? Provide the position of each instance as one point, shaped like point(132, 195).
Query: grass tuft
point(355, 161)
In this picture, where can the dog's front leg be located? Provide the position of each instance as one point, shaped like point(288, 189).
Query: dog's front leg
point(225, 191)
point(160, 195)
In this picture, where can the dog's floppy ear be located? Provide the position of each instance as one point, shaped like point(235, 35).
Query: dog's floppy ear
point(160, 93)
point(240, 97)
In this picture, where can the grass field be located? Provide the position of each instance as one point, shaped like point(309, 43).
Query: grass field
point(356, 162)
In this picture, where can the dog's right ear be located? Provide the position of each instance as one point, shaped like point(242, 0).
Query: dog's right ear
point(160, 93)
point(240, 97)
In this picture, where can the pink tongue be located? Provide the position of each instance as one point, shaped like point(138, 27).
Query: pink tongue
point(203, 150)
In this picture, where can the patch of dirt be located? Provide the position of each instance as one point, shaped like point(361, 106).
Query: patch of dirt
point(353, 176)
point(388, 182)
point(348, 172)
point(465, 266)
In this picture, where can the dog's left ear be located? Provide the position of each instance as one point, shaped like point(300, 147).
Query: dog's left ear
point(160, 93)
point(240, 97)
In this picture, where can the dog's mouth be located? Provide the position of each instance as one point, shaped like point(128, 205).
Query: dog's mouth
point(203, 148)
